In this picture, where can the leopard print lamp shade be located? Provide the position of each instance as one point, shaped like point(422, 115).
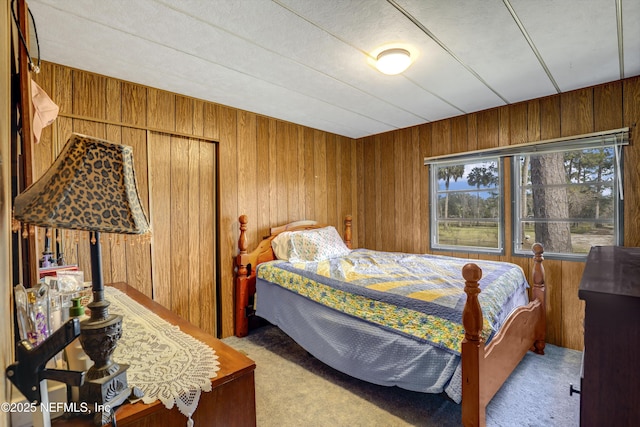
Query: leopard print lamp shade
point(90, 186)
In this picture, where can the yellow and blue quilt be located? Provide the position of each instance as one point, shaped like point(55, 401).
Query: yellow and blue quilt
point(421, 296)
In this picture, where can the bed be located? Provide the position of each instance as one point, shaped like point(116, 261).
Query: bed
point(413, 325)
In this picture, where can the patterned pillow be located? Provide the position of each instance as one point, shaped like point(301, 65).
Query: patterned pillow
point(316, 245)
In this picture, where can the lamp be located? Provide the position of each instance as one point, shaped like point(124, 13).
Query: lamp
point(393, 61)
point(91, 186)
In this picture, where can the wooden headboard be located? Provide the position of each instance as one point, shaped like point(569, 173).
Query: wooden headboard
point(246, 263)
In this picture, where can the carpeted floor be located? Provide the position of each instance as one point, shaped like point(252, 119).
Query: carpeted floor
point(295, 389)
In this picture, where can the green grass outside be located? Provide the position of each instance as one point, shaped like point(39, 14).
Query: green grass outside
point(477, 235)
point(486, 236)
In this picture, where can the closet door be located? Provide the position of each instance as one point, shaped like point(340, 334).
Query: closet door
point(182, 196)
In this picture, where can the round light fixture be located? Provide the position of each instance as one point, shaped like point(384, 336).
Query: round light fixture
point(393, 61)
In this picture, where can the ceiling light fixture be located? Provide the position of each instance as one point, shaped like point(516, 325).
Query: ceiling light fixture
point(393, 61)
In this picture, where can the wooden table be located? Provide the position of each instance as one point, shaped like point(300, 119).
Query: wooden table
point(231, 402)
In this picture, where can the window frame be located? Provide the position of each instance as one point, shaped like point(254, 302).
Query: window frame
point(516, 192)
point(434, 192)
point(616, 138)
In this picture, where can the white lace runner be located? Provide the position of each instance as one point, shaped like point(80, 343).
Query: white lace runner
point(164, 362)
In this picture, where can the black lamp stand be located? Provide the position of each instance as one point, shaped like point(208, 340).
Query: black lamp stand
point(105, 385)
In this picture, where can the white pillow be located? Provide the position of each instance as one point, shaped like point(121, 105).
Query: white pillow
point(316, 245)
point(281, 245)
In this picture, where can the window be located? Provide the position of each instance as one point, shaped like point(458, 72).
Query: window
point(567, 194)
point(567, 198)
point(466, 205)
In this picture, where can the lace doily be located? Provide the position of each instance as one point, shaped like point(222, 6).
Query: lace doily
point(164, 362)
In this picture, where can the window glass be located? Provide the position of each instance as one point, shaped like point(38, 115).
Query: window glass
point(566, 200)
point(466, 208)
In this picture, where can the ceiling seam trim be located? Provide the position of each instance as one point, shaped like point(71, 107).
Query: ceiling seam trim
point(433, 37)
point(620, 37)
point(436, 95)
point(531, 44)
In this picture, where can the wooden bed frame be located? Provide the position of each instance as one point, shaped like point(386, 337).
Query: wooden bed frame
point(484, 367)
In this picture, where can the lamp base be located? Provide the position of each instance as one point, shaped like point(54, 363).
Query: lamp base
point(105, 394)
point(105, 385)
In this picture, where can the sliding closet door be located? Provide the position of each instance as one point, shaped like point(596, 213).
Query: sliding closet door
point(182, 184)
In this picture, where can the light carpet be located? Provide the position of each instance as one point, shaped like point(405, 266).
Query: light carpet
point(295, 389)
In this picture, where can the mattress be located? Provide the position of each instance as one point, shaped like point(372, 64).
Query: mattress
point(368, 346)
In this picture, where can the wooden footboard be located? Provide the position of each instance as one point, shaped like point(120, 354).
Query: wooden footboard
point(485, 368)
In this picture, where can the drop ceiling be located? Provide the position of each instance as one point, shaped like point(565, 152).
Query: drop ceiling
point(310, 62)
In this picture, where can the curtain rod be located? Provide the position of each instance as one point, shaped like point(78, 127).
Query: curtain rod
point(132, 126)
point(511, 149)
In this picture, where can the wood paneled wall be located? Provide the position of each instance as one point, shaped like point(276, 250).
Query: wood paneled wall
point(277, 172)
point(273, 171)
point(393, 208)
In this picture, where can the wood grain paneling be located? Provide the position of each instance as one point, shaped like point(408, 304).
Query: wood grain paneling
point(308, 173)
point(518, 124)
point(576, 112)
point(137, 255)
point(187, 192)
point(533, 120)
point(631, 109)
point(424, 230)
point(179, 225)
point(504, 118)
point(378, 191)
point(416, 162)
point(161, 110)
point(459, 134)
point(344, 186)
point(282, 172)
point(228, 146)
point(387, 194)
point(293, 182)
point(358, 187)
point(301, 166)
point(603, 107)
point(607, 107)
point(159, 156)
point(369, 217)
point(441, 138)
point(184, 115)
point(399, 191)
point(488, 129)
point(134, 104)
point(320, 169)
point(571, 313)
point(266, 174)
point(331, 180)
point(205, 306)
point(247, 172)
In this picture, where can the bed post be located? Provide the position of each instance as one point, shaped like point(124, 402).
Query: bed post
point(347, 231)
point(242, 296)
point(473, 409)
point(538, 292)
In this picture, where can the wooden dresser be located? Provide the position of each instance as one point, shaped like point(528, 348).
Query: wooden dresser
point(231, 402)
point(610, 287)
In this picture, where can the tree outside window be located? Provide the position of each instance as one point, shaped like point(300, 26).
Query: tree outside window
point(566, 200)
point(466, 210)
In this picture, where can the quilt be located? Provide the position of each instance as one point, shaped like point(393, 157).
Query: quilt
point(417, 295)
